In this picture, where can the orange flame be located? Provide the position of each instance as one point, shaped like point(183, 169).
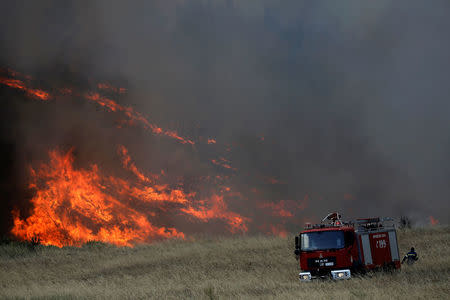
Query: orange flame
point(111, 105)
point(273, 180)
point(278, 230)
point(72, 207)
point(129, 165)
point(274, 229)
point(278, 209)
point(107, 86)
point(218, 209)
point(224, 163)
point(134, 116)
point(285, 208)
point(433, 221)
point(18, 84)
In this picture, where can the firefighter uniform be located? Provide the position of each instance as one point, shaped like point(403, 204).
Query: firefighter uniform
point(410, 257)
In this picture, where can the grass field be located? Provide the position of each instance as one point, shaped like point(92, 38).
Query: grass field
point(213, 268)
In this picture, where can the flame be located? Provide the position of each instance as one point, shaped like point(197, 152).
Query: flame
point(18, 84)
point(273, 180)
point(286, 208)
point(433, 221)
point(17, 74)
point(73, 206)
point(129, 165)
point(274, 229)
point(218, 209)
point(107, 86)
point(278, 209)
point(224, 163)
point(134, 117)
point(65, 91)
point(278, 230)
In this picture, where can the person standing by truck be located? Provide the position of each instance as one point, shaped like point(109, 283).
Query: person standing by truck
point(410, 257)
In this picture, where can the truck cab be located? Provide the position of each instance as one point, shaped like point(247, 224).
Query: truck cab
point(327, 249)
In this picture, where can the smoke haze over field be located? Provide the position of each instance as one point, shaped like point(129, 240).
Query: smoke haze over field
point(346, 102)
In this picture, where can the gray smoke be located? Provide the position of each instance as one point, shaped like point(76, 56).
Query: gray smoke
point(351, 97)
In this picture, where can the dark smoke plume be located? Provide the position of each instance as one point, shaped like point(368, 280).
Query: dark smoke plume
point(346, 102)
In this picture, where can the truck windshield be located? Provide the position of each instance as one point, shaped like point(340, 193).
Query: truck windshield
point(322, 240)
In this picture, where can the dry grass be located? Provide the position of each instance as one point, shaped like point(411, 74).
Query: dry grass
point(238, 267)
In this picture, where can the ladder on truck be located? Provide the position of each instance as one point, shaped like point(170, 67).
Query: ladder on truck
point(374, 224)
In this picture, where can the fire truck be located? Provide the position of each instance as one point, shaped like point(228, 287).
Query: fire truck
point(338, 249)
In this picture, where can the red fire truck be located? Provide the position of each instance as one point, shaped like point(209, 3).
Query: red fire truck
point(337, 249)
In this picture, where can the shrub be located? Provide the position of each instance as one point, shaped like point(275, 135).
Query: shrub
point(405, 222)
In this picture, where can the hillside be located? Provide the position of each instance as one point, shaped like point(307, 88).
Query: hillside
point(236, 267)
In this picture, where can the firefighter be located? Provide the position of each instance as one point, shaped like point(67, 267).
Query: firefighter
point(410, 257)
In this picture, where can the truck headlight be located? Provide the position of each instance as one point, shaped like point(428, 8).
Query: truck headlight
point(341, 274)
point(304, 276)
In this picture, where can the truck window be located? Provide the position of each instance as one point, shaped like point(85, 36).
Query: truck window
point(322, 240)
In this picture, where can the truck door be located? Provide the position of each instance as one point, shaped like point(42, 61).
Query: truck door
point(381, 249)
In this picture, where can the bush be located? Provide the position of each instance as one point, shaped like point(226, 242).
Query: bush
point(5, 240)
point(405, 222)
point(34, 242)
point(95, 244)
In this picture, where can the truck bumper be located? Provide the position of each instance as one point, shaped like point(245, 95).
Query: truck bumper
point(335, 275)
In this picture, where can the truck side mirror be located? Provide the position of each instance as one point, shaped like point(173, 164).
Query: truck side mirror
point(297, 245)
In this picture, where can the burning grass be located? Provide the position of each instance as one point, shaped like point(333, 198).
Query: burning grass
point(73, 206)
point(236, 267)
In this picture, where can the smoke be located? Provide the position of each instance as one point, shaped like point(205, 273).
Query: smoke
point(346, 102)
